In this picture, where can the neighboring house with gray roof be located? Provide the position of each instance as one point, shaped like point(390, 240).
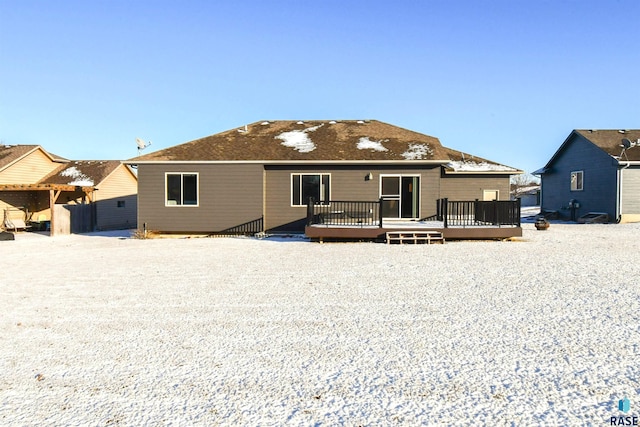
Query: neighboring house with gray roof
point(259, 177)
point(594, 171)
point(35, 184)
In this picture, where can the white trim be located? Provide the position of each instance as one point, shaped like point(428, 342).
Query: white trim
point(320, 174)
point(581, 172)
point(497, 193)
point(401, 175)
point(175, 205)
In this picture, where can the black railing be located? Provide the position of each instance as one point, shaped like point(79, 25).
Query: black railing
point(247, 228)
point(477, 213)
point(348, 213)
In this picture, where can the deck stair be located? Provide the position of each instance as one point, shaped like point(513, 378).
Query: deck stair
point(427, 236)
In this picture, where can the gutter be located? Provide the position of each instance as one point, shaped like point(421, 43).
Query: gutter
point(287, 162)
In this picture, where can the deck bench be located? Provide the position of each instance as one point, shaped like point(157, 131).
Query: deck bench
point(427, 236)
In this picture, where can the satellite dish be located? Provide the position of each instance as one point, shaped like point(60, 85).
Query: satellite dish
point(142, 145)
point(626, 143)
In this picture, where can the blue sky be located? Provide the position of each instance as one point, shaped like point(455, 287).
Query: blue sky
point(504, 80)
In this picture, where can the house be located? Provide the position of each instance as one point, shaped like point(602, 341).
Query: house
point(260, 176)
point(115, 185)
point(529, 195)
point(40, 190)
point(594, 171)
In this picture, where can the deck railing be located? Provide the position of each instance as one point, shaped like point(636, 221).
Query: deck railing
point(478, 213)
point(475, 213)
point(347, 213)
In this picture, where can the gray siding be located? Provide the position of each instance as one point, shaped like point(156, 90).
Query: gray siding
point(631, 191)
point(471, 187)
point(347, 183)
point(600, 180)
point(233, 194)
point(110, 216)
point(229, 195)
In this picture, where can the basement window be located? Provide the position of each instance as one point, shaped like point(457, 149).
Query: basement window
point(577, 180)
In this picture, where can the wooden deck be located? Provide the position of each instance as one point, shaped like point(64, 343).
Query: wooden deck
point(329, 232)
point(454, 220)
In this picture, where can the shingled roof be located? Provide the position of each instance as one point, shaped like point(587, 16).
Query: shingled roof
point(610, 141)
point(288, 140)
point(84, 173)
point(465, 163)
point(12, 153)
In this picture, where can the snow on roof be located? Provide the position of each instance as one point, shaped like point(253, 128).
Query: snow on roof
point(472, 166)
point(366, 144)
point(298, 139)
point(78, 178)
point(417, 152)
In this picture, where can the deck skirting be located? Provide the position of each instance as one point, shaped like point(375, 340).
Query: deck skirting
point(379, 233)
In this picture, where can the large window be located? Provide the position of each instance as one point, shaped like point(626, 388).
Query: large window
point(304, 186)
point(181, 189)
point(577, 180)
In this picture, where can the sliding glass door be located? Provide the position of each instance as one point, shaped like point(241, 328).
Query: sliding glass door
point(401, 196)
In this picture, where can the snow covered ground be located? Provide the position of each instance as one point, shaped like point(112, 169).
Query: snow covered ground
point(106, 330)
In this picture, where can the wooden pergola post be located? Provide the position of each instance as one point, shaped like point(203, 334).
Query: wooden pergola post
point(54, 193)
point(53, 196)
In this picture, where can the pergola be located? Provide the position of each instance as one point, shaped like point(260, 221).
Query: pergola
point(54, 192)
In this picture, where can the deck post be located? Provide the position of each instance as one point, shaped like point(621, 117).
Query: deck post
point(380, 212)
point(445, 211)
point(310, 204)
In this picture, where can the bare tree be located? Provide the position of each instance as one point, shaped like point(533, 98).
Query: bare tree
point(520, 184)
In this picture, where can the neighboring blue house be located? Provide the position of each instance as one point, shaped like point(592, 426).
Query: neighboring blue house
point(594, 171)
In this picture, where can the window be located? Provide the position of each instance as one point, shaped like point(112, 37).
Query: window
point(120, 203)
point(304, 186)
point(490, 195)
point(181, 189)
point(577, 180)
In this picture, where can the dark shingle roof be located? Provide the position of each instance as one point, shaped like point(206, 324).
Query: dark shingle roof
point(461, 162)
point(86, 173)
point(288, 140)
point(610, 141)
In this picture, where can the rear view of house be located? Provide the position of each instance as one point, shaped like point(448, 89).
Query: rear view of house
point(259, 177)
point(594, 171)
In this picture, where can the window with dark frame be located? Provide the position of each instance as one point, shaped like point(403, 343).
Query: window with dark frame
point(304, 186)
point(120, 203)
point(181, 189)
point(577, 180)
